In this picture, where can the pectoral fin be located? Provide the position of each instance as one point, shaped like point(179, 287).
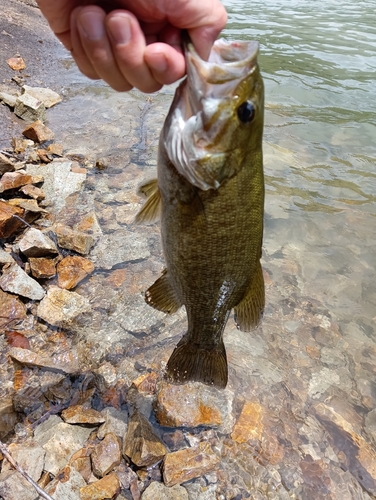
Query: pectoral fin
point(150, 212)
point(249, 311)
point(162, 295)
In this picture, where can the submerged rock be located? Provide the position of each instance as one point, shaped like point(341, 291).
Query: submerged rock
point(72, 239)
point(78, 414)
point(73, 269)
point(11, 310)
point(116, 421)
point(249, 424)
point(158, 491)
point(65, 362)
point(15, 280)
point(61, 307)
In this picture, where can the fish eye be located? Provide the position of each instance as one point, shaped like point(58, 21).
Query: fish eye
point(246, 112)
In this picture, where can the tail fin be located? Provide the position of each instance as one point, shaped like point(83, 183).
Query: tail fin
point(190, 361)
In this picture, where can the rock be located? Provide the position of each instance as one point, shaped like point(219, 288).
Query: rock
point(17, 339)
point(249, 424)
point(9, 224)
point(8, 99)
point(105, 488)
point(146, 383)
point(66, 485)
point(78, 414)
point(16, 63)
point(29, 455)
point(59, 181)
point(183, 465)
point(14, 180)
point(8, 417)
point(116, 421)
point(141, 444)
point(31, 207)
point(19, 145)
point(38, 132)
point(106, 455)
point(73, 269)
point(175, 440)
point(65, 362)
point(13, 486)
point(33, 192)
point(15, 280)
point(6, 164)
point(34, 243)
point(158, 491)
point(42, 268)
point(30, 109)
point(82, 463)
point(60, 440)
point(5, 257)
point(47, 96)
point(60, 307)
point(55, 149)
point(73, 240)
point(190, 405)
point(12, 309)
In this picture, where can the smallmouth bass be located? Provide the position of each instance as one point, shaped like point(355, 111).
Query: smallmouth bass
point(210, 197)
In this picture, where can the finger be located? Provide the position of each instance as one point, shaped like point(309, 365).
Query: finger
point(128, 46)
point(90, 23)
point(166, 63)
point(78, 52)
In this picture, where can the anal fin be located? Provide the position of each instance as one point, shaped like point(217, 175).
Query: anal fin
point(151, 209)
point(249, 311)
point(162, 296)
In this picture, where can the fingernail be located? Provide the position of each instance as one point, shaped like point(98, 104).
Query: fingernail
point(120, 28)
point(92, 25)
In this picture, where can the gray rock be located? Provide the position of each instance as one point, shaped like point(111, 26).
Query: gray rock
point(36, 244)
point(116, 422)
point(15, 280)
point(106, 455)
point(29, 108)
point(5, 257)
point(14, 487)
point(60, 307)
point(65, 362)
point(158, 491)
point(8, 99)
point(45, 95)
point(66, 484)
point(29, 455)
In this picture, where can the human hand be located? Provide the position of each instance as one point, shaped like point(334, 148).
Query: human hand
point(133, 43)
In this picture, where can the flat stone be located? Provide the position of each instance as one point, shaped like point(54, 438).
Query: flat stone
point(73, 269)
point(249, 425)
point(16, 63)
point(183, 465)
point(15, 280)
point(14, 180)
point(5, 257)
point(73, 240)
point(106, 455)
point(29, 455)
point(42, 267)
point(116, 421)
point(13, 486)
point(141, 444)
point(33, 192)
point(30, 109)
point(9, 224)
point(34, 243)
point(82, 463)
point(12, 309)
point(60, 307)
point(45, 95)
point(31, 207)
point(6, 164)
point(61, 441)
point(66, 485)
point(38, 132)
point(8, 99)
point(78, 414)
point(65, 362)
point(158, 491)
point(105, 488)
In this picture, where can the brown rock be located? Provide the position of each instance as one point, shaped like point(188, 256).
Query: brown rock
point(9, 224)
point(105, 488)
point(55, 149)
point(141, 444)
point(13, 180)
point(6, 164)
point(116, 278)
point(42, 267)
point(73, 269)
point(106, 455)
point(60, 307)
point(17, 339)
point(73, 239)
point(249, 424)
point(11, 310)
point(33, 192)
point(16, 63)
point(183, 465)
point(43, 156)
point(38, 132)
point(19, 145)
point(78, 414)
point(146, 383)
point(82, 463)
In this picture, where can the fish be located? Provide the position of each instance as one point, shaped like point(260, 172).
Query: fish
point(209, 196)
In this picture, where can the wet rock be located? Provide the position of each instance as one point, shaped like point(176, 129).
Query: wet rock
point(12, 309)
point(158, 491)
point(105, 488)
point(78, 414)
point(106, 455)
point(29, 455)
point(33, 192)
point(249, 424)
point(60, 307)
point(13, 486)
point(38, 132)
point(9, 224)
point(183, 465)
point(30, 109)
point(34, 243)
point(81, 462)
point(66, 485)
point(65, 362)
point(73, 269)
point(42, 268)
point(116, 421)
point(146, 383)
point(6, 164)
point(73, 239)
point(45, 95)
point(15, 280)
point(60, 440)
point(141, 444)
point(190, 405)
point(14, 180)
point(16, 63)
